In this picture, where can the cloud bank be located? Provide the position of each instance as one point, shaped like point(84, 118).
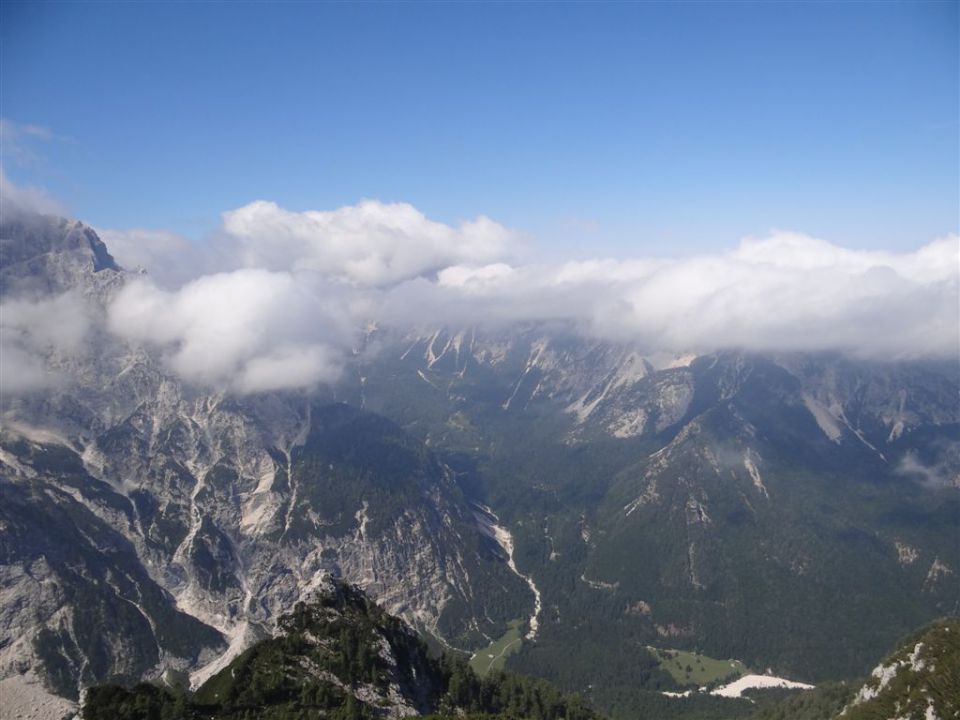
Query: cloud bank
point(787, 292)
point(17, 141)
point(292, 290)
point(30, 331)
point(168, 258)
point(371, 243)
point(250, 330)
point(17, 198)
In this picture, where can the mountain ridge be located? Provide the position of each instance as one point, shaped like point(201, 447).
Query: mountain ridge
point(340, 655)
point(694, 490)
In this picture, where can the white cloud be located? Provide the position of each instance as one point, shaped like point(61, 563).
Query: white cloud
point(33, 330)
point(944, 471)
point(249, 330)
point(170, 259)
point(274, 299)
point(290, 367)
point(12, 133)
point(371, 243)
point(58, 322)
point(474, 279)
point(308, 281)
point(294, 287)
point(21, 371)
point(937, 260)
point(16, 198)
point(785, 292)
point(17, 139)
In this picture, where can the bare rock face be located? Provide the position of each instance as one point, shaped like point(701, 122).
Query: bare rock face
point(43, 254)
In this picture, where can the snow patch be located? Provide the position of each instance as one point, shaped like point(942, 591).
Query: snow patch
point(748, 682)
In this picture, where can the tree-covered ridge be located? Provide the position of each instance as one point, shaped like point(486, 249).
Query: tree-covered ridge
point(921, 680)
point(340, 657)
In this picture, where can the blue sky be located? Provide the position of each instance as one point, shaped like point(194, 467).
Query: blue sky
point(615, 129)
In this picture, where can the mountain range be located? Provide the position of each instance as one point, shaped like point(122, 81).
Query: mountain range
point(797, 513)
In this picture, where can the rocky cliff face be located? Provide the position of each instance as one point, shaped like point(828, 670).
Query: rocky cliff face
point(43, 254)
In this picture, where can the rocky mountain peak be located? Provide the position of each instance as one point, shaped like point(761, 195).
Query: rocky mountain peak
point(46, 254)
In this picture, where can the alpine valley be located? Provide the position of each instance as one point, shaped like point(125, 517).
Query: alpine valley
point(639, 529)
